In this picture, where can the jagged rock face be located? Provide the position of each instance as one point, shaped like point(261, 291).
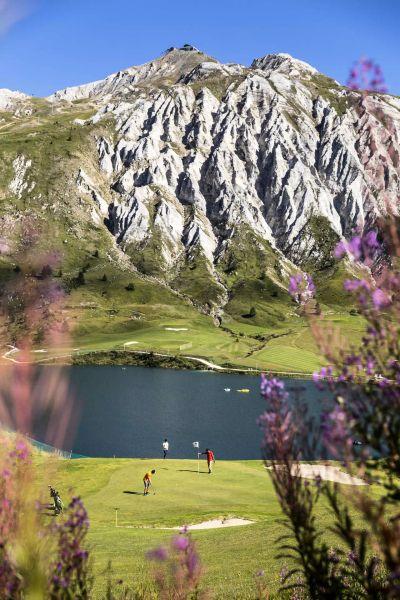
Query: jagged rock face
point(279, 145)
point(204, 152)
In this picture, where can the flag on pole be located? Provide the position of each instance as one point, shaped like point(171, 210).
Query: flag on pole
point(196, 444)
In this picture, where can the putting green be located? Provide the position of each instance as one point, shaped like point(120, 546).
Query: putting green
point(231, 556)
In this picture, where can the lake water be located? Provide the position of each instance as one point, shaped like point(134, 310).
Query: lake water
point(128, 411)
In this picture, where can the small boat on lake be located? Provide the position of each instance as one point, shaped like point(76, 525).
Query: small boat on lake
point(227, 389)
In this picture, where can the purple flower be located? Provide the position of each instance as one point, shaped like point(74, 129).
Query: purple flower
point(367, 75)
point(310, 284)
point(301, 287)
point(272, 387)
point(359, 248)
point(380, 299)
point(316, 377)
point(294, 283)
point(354, 247)
point(260, 573)
point(180, 543)
point(370, 240)
point(159, 554)
point(370, 365)
point(70, 569)
point(193, 563)
point(352, 557)
point(340, 250)
point(335, 429)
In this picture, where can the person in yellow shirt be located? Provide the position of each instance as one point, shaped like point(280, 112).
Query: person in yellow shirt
point(147, 481)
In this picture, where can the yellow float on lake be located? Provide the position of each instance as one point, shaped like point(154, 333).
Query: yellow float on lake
point(244, 391)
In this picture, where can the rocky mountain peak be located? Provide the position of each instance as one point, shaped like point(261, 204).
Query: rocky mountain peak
point(168, 69)
point(229, 172)
point(284, 63)
point(184, 48)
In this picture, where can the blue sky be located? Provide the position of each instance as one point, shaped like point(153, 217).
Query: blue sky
point(49, 44)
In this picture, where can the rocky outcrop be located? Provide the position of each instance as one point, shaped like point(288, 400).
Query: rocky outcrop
point(19, 183)
point(10, 100)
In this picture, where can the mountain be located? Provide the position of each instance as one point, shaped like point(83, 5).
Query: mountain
point(212, 181)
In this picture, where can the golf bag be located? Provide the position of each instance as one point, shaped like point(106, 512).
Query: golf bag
point(57, 502)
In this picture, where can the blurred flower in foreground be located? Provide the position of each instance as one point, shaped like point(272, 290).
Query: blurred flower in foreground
point(35, 401)
point(301, 287)
point(360, 248)
point(69, 576)
point(367, 75)
point(178, 570)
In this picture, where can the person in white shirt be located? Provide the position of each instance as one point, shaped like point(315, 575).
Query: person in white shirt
point(165, 447)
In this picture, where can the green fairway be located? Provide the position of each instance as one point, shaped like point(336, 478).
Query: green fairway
point(166, 325)
point(231, 556)
point(289, 347)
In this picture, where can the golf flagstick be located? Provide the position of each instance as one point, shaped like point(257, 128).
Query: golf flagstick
point(197, 446)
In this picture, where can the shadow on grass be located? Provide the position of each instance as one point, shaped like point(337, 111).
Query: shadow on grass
point(193, 471)
point(134, 493)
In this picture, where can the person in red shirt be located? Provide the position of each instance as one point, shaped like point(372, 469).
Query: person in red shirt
point(210, 459)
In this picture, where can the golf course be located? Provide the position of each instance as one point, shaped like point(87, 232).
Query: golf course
point(192, 341)
point(180, 496)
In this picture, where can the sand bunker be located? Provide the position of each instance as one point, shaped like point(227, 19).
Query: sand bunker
point(213, 524)
point(217, 523)
point(326, 472)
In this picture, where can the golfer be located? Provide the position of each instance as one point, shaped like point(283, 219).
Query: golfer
point(165, 447)
point(147, 481)
point(210, 459)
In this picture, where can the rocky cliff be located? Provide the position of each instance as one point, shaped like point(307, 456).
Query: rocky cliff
point(205, 175)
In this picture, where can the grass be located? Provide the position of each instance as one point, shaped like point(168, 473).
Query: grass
point(235, 343)
point(235, 489)
point(286, 345)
